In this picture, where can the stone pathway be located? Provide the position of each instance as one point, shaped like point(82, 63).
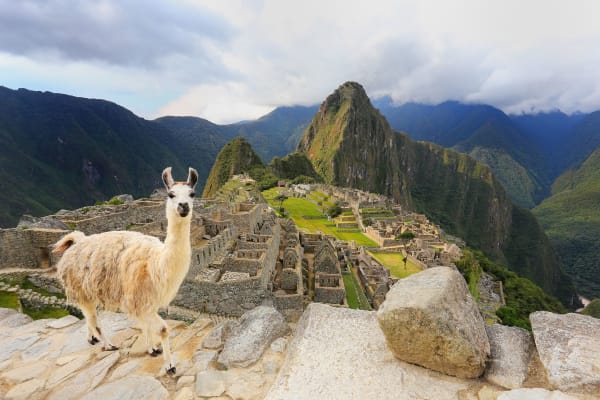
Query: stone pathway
point(51, 359)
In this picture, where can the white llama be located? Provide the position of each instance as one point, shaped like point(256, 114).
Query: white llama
point(131, 271)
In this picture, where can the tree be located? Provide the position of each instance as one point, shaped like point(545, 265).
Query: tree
point(281, 198)
point(334, 210)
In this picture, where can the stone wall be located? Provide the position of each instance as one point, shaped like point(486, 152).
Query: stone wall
point(28, 248)
point(329, 295)
point(237, 296)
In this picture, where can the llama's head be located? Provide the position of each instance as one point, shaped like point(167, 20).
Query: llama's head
point(180, 200)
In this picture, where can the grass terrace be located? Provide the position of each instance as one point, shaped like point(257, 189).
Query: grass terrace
point(394, 262)
point(310, 219)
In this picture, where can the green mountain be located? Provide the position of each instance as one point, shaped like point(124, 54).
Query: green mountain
point(571, 219)
point(351, 144)
point(235, 158)
point(61, 151)
point(483, 132)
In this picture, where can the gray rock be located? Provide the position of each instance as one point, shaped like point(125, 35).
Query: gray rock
point(15, 320)
point(63, 322)
point(569, 349)
point(256, 330)
point(211, 383)
point(338, 353)
point(535, 394)
point(47, 222)
point(430, 319)
point(12, 346)
point(510, 354)
point(6, 312)
point(279, 345)
point(125, 198)
point(217, 336)
point(25, 390)
point(131, 388)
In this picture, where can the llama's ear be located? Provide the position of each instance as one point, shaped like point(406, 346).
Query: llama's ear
point(192, 178)
point(168, 178)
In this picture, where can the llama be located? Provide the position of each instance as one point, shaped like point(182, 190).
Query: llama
point(130, 271)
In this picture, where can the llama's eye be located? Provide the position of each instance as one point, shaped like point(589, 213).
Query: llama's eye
point(171, 195)
point(192, 194)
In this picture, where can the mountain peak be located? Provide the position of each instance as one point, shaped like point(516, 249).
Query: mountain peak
point(237, 156)
point(345, 123)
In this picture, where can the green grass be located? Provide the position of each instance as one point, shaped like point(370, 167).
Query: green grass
point(355, 296)
point(393, 262)
point(297, 208)
point(9, 300)
point(24, 283)
point(48, 312)
point(351, 295)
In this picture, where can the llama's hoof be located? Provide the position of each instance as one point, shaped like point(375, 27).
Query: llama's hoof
point(171, 371)
point(93, 340)
point(156, 352)
point(110, 348)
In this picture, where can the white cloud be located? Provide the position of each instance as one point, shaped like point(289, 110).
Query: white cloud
point(238, 59)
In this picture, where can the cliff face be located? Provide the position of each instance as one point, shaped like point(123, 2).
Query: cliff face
point(351, 144)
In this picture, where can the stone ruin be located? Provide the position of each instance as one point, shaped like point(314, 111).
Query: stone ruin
point(329, 285)
point(235, 250)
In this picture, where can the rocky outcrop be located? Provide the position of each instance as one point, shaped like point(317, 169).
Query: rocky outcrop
point(535, 394)
point(430, 319)
point(338, 353)
point(247, 341)
point(569, 348)
point(51, 359)
point(510, 354)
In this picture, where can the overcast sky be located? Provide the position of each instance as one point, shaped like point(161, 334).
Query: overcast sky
point(233, 60)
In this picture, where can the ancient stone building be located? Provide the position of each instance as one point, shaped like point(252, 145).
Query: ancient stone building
point(329, 285)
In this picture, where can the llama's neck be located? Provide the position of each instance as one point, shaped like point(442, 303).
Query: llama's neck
point(175, 259)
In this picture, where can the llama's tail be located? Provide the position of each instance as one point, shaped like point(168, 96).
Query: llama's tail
point(67, 241)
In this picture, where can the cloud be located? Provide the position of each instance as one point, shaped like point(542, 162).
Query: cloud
point(133, 32)
point(228, 60)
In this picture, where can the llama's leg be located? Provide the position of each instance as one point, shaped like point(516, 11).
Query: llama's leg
point(150, 336)
point(94, 332)
point(162, 329)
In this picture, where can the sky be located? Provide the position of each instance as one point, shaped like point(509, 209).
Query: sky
point(232, 60)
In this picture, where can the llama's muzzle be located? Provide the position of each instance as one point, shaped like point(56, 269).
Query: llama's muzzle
point(183, 209)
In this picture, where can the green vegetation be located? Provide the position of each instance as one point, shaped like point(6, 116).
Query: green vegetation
point(309, 218)
point(235, 158)
point(25, 283)
point(9, 300)
point(522, 296)
point(351, 293)
point(115, 201)
point(296, 167)
point(571, 219)
point(346, 142)
point(406, 235)
point(355, 296)
point(48, 312)
point(395, 263)
point(592, 309)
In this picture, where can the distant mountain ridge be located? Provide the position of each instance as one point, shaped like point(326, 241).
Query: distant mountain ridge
point(60, 151)
point(571, 218)
point(351, 144)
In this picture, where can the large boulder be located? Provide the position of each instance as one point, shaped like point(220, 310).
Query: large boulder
point(256, 330)
point(569, 348)
point(339, 353)
point(430, 319)
point(510, 355)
